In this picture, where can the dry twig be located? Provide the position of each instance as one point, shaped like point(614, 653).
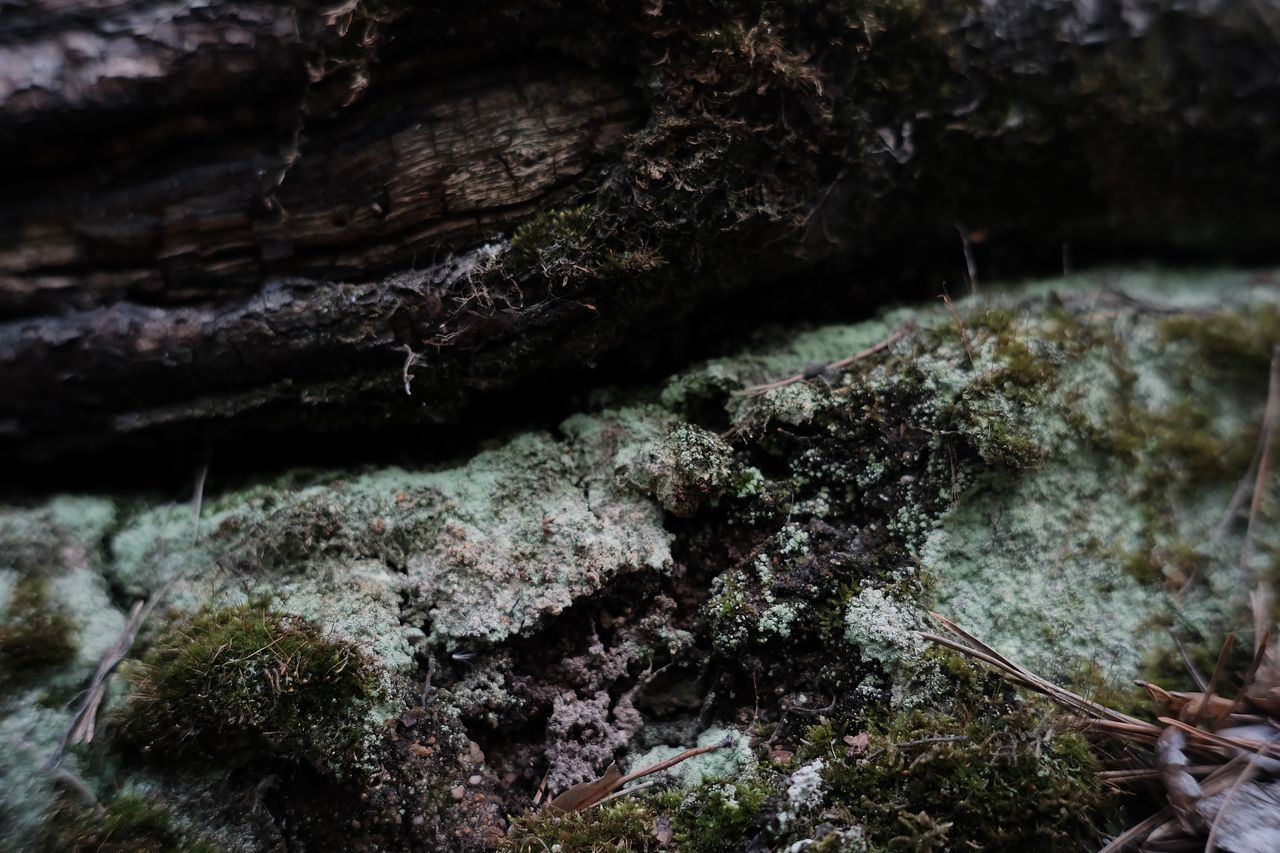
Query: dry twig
point(84, 723)
point(587, 794)
point(755, 390)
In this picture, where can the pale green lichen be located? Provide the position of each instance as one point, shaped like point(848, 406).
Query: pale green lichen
point(66, 532)
point(1107, 436)
point(690, 468)
point(883, 630)
point(58, 620)
point(1047, 469)
point(468, 554)
point(1036, 562)
point(729, 762)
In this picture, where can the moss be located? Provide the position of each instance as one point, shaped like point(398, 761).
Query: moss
point(1235, 345)
point(1089, 679)
point(1017, 494)
point(1170, 561)
point(1117, 460)
point(128, 824)
point(719, 815)
point(36, 634)
point(1165, 665)
point(980, 773)
point(626, 824)
point(549, 237)
point(715, 815)
point(250, 677)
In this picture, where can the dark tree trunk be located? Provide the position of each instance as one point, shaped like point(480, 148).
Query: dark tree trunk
point(246, 216)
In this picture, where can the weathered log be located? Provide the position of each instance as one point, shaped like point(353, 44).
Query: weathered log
point(246, 216)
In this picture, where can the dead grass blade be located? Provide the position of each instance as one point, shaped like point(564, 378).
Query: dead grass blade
point(584, 795)
point(1227, 743)
point(977, 649)
point(1138, 832)
point(756, 390)
point(84, 723)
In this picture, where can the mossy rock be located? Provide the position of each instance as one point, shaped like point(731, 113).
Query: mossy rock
point(251, 678)
point(36, 633)
point(128, 824)
point(1048, 465)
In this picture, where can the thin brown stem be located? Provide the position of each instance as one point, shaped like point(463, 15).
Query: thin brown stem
point(673, 761)
point(835, 365)
point(964, 334)
point(1227, 645)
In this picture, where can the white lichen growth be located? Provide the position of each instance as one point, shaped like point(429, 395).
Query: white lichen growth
point(884, 630)
point(805, 790)
point(730, 762)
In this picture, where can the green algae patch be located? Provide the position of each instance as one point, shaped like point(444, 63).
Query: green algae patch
point(128, 824)
point(249, 676)
point(35, 635)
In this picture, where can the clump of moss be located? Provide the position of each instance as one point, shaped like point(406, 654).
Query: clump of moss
point(549, 238)
point(129, 824)
point(1238, 345)
point(35, 634)
point(717, 815)
point(251, 676)
point(626, 824)
point(984, 771)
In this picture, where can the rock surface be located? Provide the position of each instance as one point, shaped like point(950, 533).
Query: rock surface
point(1049, 465)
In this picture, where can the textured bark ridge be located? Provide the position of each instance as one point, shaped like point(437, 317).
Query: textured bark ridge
point(387, 182)
point(243, 216)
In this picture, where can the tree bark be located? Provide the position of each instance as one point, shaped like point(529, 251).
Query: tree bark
point(236, 218)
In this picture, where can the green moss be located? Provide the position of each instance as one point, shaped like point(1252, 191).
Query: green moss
point(979, 773)
point(250, 677)
point(1180, 446)
point(1170, 561)
point(716, 815)
point(1089, 679)
point(35, 634)
point(549, 238)
point(1235, 345)
point(128, 824)
point(626, 824)
point(1164, 663)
